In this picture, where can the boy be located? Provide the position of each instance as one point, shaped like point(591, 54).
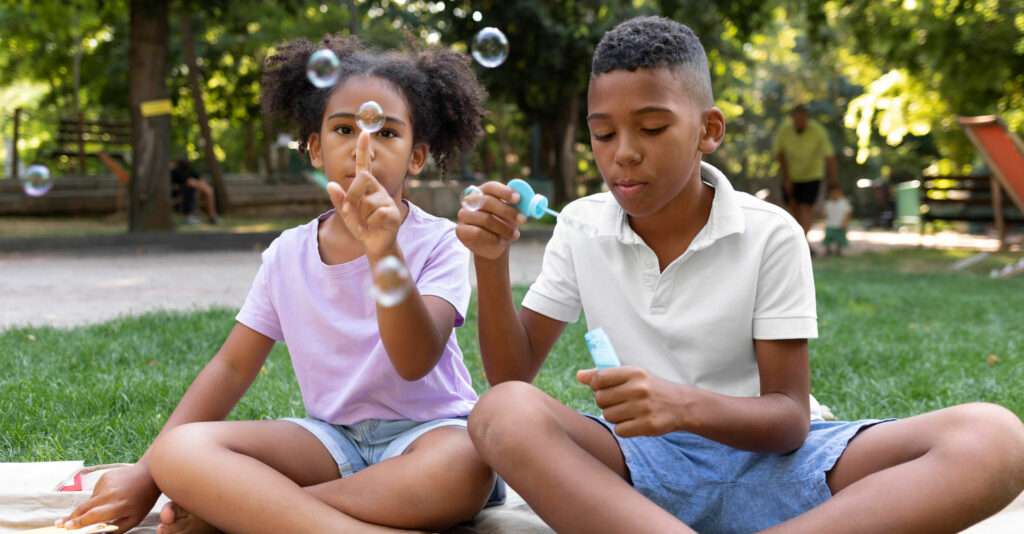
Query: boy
point(837, 217)
point(707, 296)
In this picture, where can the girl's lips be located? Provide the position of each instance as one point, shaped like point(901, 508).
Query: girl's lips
point(630, 190)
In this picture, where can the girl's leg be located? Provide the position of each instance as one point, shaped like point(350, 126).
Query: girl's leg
point(438, 482)
point(938, 472)
point(247, 476)
point(568, 467)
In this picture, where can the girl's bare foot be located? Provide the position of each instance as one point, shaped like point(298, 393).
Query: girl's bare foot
point(177, 520)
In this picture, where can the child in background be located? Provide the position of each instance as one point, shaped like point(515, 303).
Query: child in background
point(707, 295)
point(837, 217)
point(385, 386)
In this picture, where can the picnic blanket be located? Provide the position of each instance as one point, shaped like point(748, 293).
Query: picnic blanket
point(28, 501)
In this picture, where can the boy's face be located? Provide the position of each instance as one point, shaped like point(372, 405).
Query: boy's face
point(648, 137)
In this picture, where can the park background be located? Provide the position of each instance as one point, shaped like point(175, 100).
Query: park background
point(886, 78)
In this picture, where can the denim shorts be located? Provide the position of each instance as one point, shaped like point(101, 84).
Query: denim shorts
point(357, 446)
point(714, 488)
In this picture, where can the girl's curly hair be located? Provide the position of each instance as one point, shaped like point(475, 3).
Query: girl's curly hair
point(446, 101)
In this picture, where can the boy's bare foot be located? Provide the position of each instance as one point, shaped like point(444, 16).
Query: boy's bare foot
point(177, 520)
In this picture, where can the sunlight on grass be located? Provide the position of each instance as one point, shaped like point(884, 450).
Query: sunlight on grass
point(891, 344)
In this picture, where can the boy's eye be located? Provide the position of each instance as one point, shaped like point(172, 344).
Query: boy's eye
point(344, 129)
point(601, 137)
point(387, 133)
point(653, 131)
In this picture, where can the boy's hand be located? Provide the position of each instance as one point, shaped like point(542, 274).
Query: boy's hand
point(122, 498)
point(639, 403)
point(367, 209)
point(489, 231)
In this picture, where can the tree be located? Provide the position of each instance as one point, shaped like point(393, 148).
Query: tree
point(150, 205)
point(212, 165)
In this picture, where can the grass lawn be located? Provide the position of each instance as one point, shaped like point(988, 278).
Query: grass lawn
point(900, 333)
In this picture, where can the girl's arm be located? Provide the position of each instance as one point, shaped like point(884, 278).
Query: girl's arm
point(777, 421)
point(124, 496)
point(416, 330)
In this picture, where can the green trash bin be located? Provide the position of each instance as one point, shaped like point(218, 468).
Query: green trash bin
point(908, 203)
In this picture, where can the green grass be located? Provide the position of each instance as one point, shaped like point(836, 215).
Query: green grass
point(900, 333)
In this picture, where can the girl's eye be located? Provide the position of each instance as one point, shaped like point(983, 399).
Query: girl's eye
point(387, 133)
point(602, 137)
point(344, 129)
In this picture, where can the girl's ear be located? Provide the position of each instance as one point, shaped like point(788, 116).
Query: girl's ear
point(315, 155)
point(713, 130)
point(418, 159)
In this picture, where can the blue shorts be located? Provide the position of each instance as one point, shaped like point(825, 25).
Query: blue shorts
point(714, 488)
point(357, 446)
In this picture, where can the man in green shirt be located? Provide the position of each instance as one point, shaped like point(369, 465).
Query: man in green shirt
point(804, 153)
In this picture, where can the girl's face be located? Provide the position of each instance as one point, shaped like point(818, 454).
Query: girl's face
point(393, 154)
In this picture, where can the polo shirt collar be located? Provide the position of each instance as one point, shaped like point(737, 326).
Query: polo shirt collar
point(726, 214)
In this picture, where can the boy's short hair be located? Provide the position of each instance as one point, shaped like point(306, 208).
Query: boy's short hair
point(656, 42)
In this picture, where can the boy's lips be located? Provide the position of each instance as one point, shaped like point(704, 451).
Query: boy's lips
point(629, 189)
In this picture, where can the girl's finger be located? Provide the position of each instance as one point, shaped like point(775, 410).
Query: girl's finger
point(363, 152)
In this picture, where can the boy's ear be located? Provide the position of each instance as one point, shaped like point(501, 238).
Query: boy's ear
point(713, 130)
point(316, 157)
point(418, 160)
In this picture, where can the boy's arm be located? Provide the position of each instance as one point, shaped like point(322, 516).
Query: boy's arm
point(512, 346)
point(777, 421)
point(124, 496)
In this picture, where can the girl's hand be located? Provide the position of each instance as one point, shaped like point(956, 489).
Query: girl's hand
point(639, 403)
point(488, 231)
point(122, 497)
point(367, 209)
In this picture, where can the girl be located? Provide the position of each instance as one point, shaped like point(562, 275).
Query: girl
point(385, 387)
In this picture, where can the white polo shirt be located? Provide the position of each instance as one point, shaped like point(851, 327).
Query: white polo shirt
point(746, 275)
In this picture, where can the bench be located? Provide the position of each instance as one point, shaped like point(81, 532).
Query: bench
point(977, 199)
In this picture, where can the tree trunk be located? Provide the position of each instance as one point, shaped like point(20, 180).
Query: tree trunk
point(212, 165)
point(353, 17)
point(150, 206)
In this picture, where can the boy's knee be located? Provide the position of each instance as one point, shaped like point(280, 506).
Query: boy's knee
point(504, 412)
point(992, 432)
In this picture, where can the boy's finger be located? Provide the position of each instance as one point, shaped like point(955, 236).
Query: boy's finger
point(363, 152)
point(585, 376)
point(501, 191)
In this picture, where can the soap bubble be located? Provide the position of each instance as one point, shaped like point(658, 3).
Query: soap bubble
point(490, 47)
point(370, 116)
point(391, 281)
point(36, 181)
point(472, 198)
point(323, 68)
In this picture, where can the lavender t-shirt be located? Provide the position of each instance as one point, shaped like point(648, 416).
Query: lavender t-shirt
point(328, 317)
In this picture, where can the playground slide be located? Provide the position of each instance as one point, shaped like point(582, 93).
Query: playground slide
point(1002, 150)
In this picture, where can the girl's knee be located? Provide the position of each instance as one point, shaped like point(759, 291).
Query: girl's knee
point(175, 447)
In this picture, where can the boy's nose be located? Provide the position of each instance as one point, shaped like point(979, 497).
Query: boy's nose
point(627, 154)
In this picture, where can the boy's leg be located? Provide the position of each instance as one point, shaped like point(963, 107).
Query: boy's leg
point(567, 467)
point(247, 476)
point(438, 482)
point(938, 472)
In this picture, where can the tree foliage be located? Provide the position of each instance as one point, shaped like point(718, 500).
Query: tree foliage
point(887, 77)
